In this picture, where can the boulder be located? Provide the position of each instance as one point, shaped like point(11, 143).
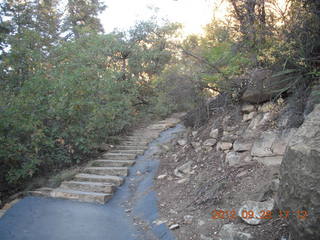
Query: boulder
point(269, 161)
point(271, 145)
point(300, 176)
point(254, 213)
point(280, 144)
point(234, 158)
point(262, 147)
point(263, 86)
point(242, 145)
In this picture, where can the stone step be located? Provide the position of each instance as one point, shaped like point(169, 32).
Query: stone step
point(137, 151)
point(112, 163)
point(142, 136)
point(120, 156)
point(131, 147)
point(81, 196)
point(169, 122)
point(114, 171)
point(83, 177)
point(160, 126)
point(134, 143)
point(40, 192)
point(137, 139)
point(145, 134)
point(89, 186)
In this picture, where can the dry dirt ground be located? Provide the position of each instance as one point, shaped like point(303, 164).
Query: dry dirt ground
point(190, 201)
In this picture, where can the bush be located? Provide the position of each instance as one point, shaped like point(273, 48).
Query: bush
point(63, 113)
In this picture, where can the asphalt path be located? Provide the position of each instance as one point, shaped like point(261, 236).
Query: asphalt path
point(130, 215)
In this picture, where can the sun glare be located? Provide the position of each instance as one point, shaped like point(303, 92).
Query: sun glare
point(194, 15)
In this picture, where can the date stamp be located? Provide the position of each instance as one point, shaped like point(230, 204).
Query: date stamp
point(263, 214)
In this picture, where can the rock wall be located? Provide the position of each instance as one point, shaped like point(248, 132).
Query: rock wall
point(299, 191)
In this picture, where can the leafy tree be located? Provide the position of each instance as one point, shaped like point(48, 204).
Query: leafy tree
point(34, 29)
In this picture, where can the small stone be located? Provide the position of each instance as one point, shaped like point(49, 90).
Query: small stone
point(182, 142)
point(195, 145)
point(241, 174)
point(182, 180)
point(138, 173)
point(267, 107)
point(174, 226)
point(247, 108)
point(248, 117)
point(194, 133)
point(183, 170)
point(162, 176)
point(214, 133)
point(198, 149)
point(233, 158)
point(172, 211)
point(201, 222)
point(224, 146)
point(159, 222)
point(228, 137)
point(255, 123)
point(210, 142)
point(232, 232)
point(230, 128)
point(188, 219)
point(204, 237)
point(257, 208)
point(165, 147)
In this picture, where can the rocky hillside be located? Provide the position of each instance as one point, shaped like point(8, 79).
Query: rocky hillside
point(221, 181)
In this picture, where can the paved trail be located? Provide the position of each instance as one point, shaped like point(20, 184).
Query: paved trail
point(129, 213)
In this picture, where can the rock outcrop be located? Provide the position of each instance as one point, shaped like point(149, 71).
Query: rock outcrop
point(263, 86)
point(299, 190)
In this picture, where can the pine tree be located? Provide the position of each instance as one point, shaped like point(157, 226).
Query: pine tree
point(83, 17)
point(48, 19)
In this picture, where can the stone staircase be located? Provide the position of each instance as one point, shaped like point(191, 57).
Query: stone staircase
point(99, 180)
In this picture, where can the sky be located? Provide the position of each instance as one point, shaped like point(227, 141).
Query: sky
point(193, 14)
